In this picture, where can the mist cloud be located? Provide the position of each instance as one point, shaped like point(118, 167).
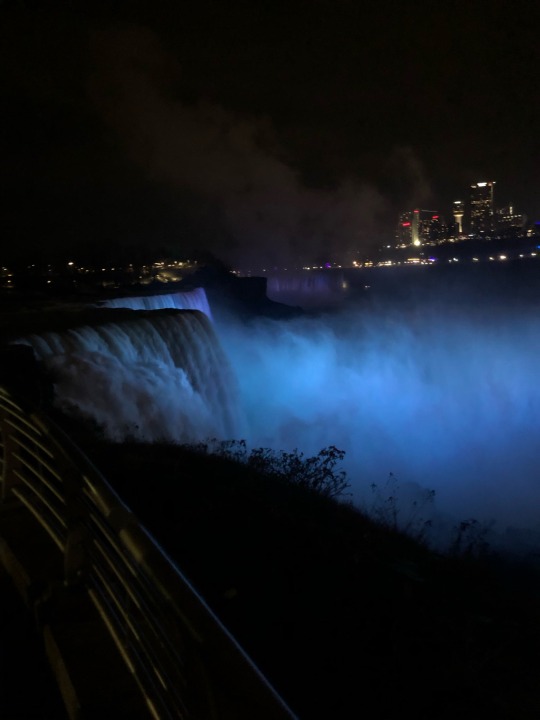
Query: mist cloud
point(231, 163)
point(443, 395)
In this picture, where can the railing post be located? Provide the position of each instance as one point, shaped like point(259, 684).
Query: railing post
point(75, 553)
point(9, 460)
point(76, 516)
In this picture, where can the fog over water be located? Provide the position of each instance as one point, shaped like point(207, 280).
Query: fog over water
point(435, 382)
point(437, 385)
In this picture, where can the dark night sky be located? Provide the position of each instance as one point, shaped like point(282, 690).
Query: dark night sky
point(294, 130)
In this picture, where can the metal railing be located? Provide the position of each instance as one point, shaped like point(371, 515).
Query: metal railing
point(185, 663)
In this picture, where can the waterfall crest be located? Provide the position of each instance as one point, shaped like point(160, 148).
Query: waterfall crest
point(188, 300)
point(158, 376)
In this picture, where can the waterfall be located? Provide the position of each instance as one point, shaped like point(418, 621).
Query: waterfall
point(159, 376)
point(313, 288)
point(189, 300)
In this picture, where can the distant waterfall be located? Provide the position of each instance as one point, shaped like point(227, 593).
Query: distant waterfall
point(313, 288)
point(163, 376)
point(189, 300)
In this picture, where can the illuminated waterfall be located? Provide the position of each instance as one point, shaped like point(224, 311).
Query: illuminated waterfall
point(163, 376)
point(440, 390)
point(189, 300)
point(320, 288)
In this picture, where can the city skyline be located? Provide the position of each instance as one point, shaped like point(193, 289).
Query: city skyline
point(481, 213)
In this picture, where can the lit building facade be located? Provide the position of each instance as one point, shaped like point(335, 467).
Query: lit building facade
point(458, 210)
point(404, 230)
point(482, 220)
point(508, 221)
point(420, 227)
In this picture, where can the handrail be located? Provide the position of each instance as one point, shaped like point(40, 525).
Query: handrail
point(185, 662)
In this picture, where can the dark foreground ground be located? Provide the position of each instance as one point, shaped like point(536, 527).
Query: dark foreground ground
point(345, 617)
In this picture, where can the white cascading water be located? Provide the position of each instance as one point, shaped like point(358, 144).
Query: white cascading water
point(161, 376)
point(188, 300)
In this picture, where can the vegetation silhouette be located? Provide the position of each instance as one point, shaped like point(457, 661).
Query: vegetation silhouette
point(334, 604)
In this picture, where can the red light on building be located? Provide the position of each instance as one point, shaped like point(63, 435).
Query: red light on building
point(417, 211)
point(435, 217)
point(405, 224)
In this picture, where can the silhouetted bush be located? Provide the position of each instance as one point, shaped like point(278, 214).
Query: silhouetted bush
point(317, 473)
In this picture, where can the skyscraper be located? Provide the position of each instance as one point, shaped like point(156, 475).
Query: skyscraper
point(458, 211)
point(509, 222)
point(482, 208)
point(404, 229)
point(419, 227)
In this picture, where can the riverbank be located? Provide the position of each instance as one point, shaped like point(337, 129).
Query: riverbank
point(342, 614)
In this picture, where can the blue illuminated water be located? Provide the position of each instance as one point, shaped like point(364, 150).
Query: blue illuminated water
point(429, 375)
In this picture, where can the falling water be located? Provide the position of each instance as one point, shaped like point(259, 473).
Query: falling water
point(160, 376)
point(188, 300)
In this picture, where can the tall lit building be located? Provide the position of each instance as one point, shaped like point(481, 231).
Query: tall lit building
point(510, 222)
point(404, 230)
point(458, 210)
point(482, 208)
point(419, 227)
